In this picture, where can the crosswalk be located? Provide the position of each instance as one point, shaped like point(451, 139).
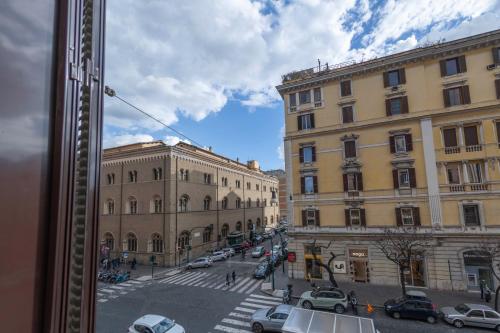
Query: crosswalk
point(239, 319)
point(243, 285)
point(112, 291)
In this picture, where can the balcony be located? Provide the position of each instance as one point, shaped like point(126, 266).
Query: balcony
point(457, 188)
point(473, 148)
point(452, 150)
point(478, 187)
point(463, 188)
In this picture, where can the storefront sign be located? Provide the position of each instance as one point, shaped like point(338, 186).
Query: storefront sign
point(292, 257)
point(358, 253)
point(339, 267)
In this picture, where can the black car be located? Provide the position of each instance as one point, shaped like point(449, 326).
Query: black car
point(262, 271)
point(237, 248)
point(404, 307)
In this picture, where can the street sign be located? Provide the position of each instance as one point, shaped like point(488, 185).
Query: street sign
point(292, 257)
point(125, 254)
point(339, 266)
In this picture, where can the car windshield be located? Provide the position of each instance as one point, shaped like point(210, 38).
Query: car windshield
point(258, 248)
point(462, 308)
point(163, 326)
point(271, 311)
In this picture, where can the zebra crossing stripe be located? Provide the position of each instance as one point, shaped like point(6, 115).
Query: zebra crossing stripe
point(220, 285)
point(239, 315)
point(209, 281)
point(182, 277)
point(238, 308)
point(230, 329)
point(246, 286)
point(235, 322)
point(213, 284)
point(100, 295)
point(206, 279)
point(125, 284)
point(175, 277)
point(238, 285)
point(108, 291)
point(134, 282)
point(258, 283)
point(260, 306)
point(117, 287)
point(102, 300)
point(266, 297)
point(192, 278)
point(262, 301)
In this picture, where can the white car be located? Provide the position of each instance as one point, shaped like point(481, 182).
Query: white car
point(229, 251)
point(200, 262)
point(218, 256)
point(155, 324)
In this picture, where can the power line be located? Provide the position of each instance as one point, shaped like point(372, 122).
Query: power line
point(112, 93)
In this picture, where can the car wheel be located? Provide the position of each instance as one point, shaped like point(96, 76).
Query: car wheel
point(458, 323)
point(396, 315)
point(497, 328)
point(431, 320)
point(307, 305)
point(257, 328)
point(339, 308)
point(206, 266)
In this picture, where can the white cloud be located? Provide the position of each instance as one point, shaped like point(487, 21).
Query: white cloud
point(125, 139)
point(172, 140)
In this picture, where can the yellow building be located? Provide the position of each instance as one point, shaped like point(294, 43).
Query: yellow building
point(410, 139)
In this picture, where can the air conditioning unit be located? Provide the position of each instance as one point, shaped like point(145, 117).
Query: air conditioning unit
point(491, 67)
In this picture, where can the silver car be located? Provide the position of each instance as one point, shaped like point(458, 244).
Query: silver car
point(218, 256)
point(200, 262)
point(270, 319)
point(229, 251)
point(472, 315)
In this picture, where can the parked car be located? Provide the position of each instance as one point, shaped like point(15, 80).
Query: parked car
point(258, 252)
point(155, 324)
point(472, 315)
point(275, 259)
point(237, 248)
point(266, 235)
point(404, 307)
point(263, 270)
point(230, 251)
point(200, 262)
point(218, 256)
point(335, 300)
point(246, 245)
point(258, 239)
point(418, 295)
point(270, 319)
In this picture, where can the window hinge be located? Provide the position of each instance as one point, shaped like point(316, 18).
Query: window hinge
point(75, 72)
point(85, 75)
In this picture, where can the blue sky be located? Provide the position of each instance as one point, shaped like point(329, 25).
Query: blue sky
point(212, 77)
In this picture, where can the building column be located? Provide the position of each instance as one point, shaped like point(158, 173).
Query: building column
point(289, 181)
point(431, 172)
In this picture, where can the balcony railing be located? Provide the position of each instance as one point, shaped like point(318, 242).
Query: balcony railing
point(452, 150)
point(478, 187)
point(466, 187)
point(457, 188)
point(473, 148)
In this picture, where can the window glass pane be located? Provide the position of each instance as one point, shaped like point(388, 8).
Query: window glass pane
point(355, 216)
point(404, 178)
point(293, 99)
point(454, 95)
point(393, 78)
point(475, 313)
point(452, 66)
point(471, 215)
point(453, 175)
point(490, 314)
point(407, 216)
point(400, 143)
point(306, 121)
point(347, 114)
point(305, 97)
point(317, 94)
point(307, 151)
point(474, 171)
point(450, 137)
point(395, 106)
point(471, 137)
point(345, 88)
point(350, 149)
point(309, 184)
point(351, 182)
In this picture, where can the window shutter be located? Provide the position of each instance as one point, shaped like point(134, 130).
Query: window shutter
point(496, 55)
point(465, 95)
point(442, 65)
point(388, 112)
point(317, 218)
point(313, 149)
point(399, 220)
point(312, 120)
point(416, 216)
point(299, 122)
point(404, 104)
point(470, 135)
point(402, 76)
point(450, 137)
point(304, 219)
point(345, 182)
point(462, 65)
point(409, 142)
point(395, 179)
point(360, 181)
point(301, 155)
point(446, 98)
point(386, 79)
point(302, 185)
point(497, 86)
point(315, 183)
point(363, 217)
point(347, 218)
point(413, 178)
point(392, 144)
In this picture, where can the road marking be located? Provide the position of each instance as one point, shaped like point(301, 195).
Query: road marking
point(247, 285)
point(204, 280)
point(117, 287)
point(100, 295)
point(230, 329)
point(196, 278)
point(244, 309)
point(123, 293)
point(235, 322)
point(240, 315)
point(262, 301)
point(260, 306)
point(113, 296)
point(126, 284)
point(266, 297)
point(134, 282)
point(108, 291)
point(220, 285)
point(258, 283)
point(238, 285)
point(213, 284)
point(176, 277)
point(183, 276)
point(102, 300)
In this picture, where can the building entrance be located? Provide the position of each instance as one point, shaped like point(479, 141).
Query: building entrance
point(358, 265)
point(477, 269)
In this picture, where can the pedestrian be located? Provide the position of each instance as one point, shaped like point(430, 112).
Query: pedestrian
point(234, 277)
point(481, 288)
point(354, 302)
point(487, 293)
point(227, 280)
point(134, 262)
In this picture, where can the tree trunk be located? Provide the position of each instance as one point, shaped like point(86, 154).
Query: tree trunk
point(402, 278)
point(330, 274)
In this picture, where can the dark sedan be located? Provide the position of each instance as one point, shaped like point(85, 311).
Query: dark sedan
point(262, 271)
point(411, 309)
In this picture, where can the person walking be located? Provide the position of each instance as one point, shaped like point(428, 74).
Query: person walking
point(481, 288)
point(354, 302)
point(234, 277)
point(227, 280)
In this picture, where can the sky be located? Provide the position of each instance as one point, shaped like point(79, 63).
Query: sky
point(209, 68)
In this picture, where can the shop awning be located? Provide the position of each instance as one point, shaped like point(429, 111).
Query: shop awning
point(310, 321)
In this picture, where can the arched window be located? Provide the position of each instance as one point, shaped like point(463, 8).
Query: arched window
point(155, 205)
point(265, 202)
point(272, 219)
point(157, 173)
point(109, 207)
point(207, 233)
point(131, 242)
point(265, 221)
point(132, 205)
point(206, 203)
point(184, 174)
point(157, 243)
point(238, 226)
point(238, 203)
point(132, 176)
point(258, 202)
point(258, 224)
point(249, 203)
point(109, 241)
point(183, 240)
point(225, 230)
point(111, 178)
point(249, 225)
point(184, 203)
point(224, 203)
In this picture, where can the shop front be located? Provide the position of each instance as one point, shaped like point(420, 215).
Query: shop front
point(415, 275)
point(313, 270)
point(358, 265)
point(477, 268)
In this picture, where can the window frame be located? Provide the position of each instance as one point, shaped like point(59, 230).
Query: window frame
point(292, 107)
point(358, 223)
point(455, 99)
point(306, 121)
point(404, 217)
point(309, 217)
point(397, 138)
point(303, 93)
point(398, 79)
point(477, 214)
point(456, 64)
point(351, 108)
point(309, 179)
point(304, 149)
point(402, 172)
point(349, 90)
point(355, 148)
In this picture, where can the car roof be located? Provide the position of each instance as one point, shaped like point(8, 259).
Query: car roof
point(149, 319)
point(284, 308)
point(417, 293)
point(478, 307)
point(202, 258)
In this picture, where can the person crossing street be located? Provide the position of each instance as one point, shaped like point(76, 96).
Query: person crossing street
point(227, 280)
point(234, 277)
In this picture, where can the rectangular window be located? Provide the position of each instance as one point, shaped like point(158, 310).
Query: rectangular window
point(293, 102)
point(249, 186)
point(309, 184)
point(404, 178)
point(317, 97)
point(452, 66)
point(307, 153)
point(305, 97)
point(450, 137)
point(350, 149)
point(393, 78)
point(347, 114)
point(497, 125)
point(256, 187)
point(454, 96)
point(352, 182)
point(453, 173)
point(470, 135)
point(395, 106)
point(400, 143)
point(475, 172)
point(355, 216)
point(345, 88)
point(306, 121)
point(471, 215)
point(496, 55)
point(311, 217)
point(238, 184)
point(407, 216)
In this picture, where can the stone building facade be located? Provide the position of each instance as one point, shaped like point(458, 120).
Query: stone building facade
point(180, 201)
point(282, 192)
point(410, 139)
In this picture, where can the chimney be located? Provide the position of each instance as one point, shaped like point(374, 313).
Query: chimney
point(210, 148)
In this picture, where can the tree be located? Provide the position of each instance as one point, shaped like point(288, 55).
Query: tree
point(490, 251)
point(327, 267)
point(401, 245)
